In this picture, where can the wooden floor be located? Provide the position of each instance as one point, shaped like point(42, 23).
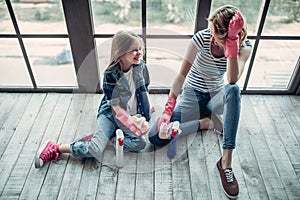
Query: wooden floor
point(266, 161)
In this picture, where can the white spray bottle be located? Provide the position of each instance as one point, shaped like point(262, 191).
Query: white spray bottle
point(119, 148)
point(174, 137)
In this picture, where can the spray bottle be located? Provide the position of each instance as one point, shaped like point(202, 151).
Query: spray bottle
point(174, 137)
point(119, 148)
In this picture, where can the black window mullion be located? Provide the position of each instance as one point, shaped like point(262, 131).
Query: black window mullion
point(16, 27)
point(294, 86)
point(258, 37)
point(144, 25)
point(202, 13)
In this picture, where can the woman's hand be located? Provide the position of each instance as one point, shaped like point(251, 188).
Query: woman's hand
point(167, 113)
point(232, 40)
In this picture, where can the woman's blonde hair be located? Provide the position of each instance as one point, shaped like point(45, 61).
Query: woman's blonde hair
point(220, 20)
point(122, 43)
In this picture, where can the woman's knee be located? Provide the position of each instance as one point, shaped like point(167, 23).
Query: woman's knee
point(232, 90)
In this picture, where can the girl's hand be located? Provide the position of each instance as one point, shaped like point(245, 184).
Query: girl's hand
point(139, 126)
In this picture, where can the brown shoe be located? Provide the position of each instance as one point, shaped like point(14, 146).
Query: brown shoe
point(229, 182)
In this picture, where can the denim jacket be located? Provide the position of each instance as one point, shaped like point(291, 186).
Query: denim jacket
point(117, 91)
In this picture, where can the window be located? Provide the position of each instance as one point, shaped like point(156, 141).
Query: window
point(51, 62)
point(250, 9)
point(40, 25)
point(176, 17)
point(274, 64)
point(164, 57)
point(37, 18)
point(13, 71)
point(111, 16)
point(283, 18)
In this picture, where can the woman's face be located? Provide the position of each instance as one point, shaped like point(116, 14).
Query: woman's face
point(215, 40)
point(134, 56)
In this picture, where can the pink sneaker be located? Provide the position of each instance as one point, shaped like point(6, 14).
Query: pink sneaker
point(51, 151)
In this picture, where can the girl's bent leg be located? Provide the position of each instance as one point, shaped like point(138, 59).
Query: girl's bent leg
point(94, 148)
point(80, 149)
point(65, 148)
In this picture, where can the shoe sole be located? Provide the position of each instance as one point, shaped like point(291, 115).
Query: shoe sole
point(37, 163)
point(229, 196)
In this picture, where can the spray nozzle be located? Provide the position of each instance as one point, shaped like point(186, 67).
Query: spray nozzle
point(175, 129)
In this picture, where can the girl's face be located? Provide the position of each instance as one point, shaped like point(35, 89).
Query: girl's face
point(134, 56)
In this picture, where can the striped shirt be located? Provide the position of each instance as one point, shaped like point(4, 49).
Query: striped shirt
point(207, 72)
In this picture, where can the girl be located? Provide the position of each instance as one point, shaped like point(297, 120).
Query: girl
point(212, 52)
point(125, 86)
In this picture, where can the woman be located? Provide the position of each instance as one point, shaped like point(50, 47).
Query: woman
point(212, 52)
point(125, 86)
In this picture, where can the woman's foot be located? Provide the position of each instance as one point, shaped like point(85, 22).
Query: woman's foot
point(228, 180)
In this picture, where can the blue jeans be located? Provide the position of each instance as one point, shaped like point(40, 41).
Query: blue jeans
point(195, 105)
point(104, 131)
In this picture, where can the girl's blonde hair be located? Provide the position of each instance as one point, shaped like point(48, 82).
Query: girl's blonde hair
point(220, 20)
point(122, 43)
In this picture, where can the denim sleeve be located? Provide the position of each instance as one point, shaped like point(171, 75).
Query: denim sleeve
point(108, 85)
point(146, 76)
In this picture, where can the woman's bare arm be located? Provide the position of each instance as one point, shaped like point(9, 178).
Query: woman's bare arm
point(184, 69)
point(235, 66)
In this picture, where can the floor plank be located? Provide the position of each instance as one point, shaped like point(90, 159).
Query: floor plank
point(11, 121)
point(74, 170)
point(7, 102)
point(54, 172)
point(90, 174)
point(200, 186)
point(144, 184)
point(180, 171)
point(127, 178)
point(34, 179)
point(11, 182)
point(284, 146)
point(246, 155)
point(263, 152)
point(163, 187)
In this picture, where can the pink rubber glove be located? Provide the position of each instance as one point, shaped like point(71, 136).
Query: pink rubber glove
point(166, 115)
point(232, 40)
point(138, 126)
